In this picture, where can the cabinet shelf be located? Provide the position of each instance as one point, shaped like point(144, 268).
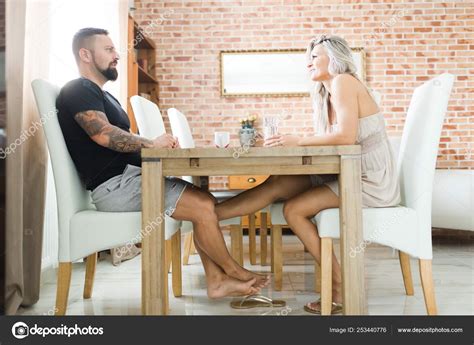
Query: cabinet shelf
point(139, 79)
point(145, 77)
point(141, 40)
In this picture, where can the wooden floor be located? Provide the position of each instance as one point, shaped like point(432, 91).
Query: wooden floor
point(117, 289)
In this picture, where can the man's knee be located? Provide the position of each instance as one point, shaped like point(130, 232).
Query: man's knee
point(205, 208)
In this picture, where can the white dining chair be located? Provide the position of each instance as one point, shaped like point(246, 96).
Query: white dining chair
point(278, 223)
point(83, 231)
point(406, 227)
point(148, 116)
point(181, 130)
point(150, 125)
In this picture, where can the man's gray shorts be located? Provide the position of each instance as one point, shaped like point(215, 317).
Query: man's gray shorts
point(123, 193)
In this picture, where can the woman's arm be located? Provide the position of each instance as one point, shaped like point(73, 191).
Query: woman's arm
point(345, 104)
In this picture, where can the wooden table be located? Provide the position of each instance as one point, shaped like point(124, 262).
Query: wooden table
point(341, 160)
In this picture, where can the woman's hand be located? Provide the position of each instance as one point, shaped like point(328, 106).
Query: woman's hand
point(282, 140)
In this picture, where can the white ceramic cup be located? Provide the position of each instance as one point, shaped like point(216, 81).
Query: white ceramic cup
point(222, 139)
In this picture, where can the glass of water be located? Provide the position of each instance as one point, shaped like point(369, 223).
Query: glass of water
point(270, 126)
point(222, 139)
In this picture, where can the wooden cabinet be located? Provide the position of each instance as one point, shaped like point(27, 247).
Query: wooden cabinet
point(141, 68)
point(246, 182)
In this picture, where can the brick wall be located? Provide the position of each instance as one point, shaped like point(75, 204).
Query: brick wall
point(406, 44)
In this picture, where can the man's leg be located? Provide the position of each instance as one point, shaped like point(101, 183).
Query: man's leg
point(198, 207)
point(220, 284)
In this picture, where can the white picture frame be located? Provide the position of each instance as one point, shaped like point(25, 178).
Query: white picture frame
point(270, 73)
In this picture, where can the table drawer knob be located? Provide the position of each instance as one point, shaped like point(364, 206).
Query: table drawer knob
point(251, 180)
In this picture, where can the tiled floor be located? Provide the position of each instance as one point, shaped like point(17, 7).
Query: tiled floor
point(117, 289)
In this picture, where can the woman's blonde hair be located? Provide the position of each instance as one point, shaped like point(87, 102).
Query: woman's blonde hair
point(340, 62)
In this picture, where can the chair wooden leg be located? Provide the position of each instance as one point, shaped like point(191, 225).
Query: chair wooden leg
point(406, 272)
point(426, 274)
point(167, 294)
point(252, 240)
point(236, 243)
point(176, 275)
point(188, 247)
point(263, 238)
point(91, 264)
point(317, 277)
point(62, 292)
point(277, 257)
point(193, 250)
point(168, 255)
point(326, 276)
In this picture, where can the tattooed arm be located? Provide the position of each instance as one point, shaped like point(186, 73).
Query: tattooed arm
point(100, 130)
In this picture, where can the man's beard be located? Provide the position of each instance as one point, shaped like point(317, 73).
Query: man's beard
point(109, 73)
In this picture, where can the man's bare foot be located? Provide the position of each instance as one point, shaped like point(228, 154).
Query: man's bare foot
point(228, 286)
point(241, 273)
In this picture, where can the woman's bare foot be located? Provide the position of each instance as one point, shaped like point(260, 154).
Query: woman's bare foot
point(240, 273)
point(228, 286)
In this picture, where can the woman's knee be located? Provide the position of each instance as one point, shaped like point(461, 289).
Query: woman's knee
point(290, 209)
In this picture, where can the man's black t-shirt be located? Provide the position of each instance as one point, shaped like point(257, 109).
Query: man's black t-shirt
point(95, 164)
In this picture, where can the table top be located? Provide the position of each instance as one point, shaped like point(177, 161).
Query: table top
point(252, 152)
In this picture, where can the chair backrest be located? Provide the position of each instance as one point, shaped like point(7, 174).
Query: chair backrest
point(149, 120)
point(71, 194)
point(419, 146)
point(180, 128)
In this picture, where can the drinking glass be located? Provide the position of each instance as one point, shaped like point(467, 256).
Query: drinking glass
point(270, 126)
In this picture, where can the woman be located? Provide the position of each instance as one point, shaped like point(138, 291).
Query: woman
point(345, 114)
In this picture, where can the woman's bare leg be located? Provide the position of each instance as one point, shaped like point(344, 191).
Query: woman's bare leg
point(253, 200)
point(298, 212)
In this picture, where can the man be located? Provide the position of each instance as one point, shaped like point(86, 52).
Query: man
point(107, 156)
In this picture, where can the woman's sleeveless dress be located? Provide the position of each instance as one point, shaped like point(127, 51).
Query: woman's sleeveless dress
point(380, 186)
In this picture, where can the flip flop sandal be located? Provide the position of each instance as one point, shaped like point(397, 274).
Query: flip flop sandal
point(336, 308)
point(256, 301)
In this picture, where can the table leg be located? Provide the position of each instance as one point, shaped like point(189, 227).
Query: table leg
point(353, 273)
point(277, 256)
point(154, 274)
